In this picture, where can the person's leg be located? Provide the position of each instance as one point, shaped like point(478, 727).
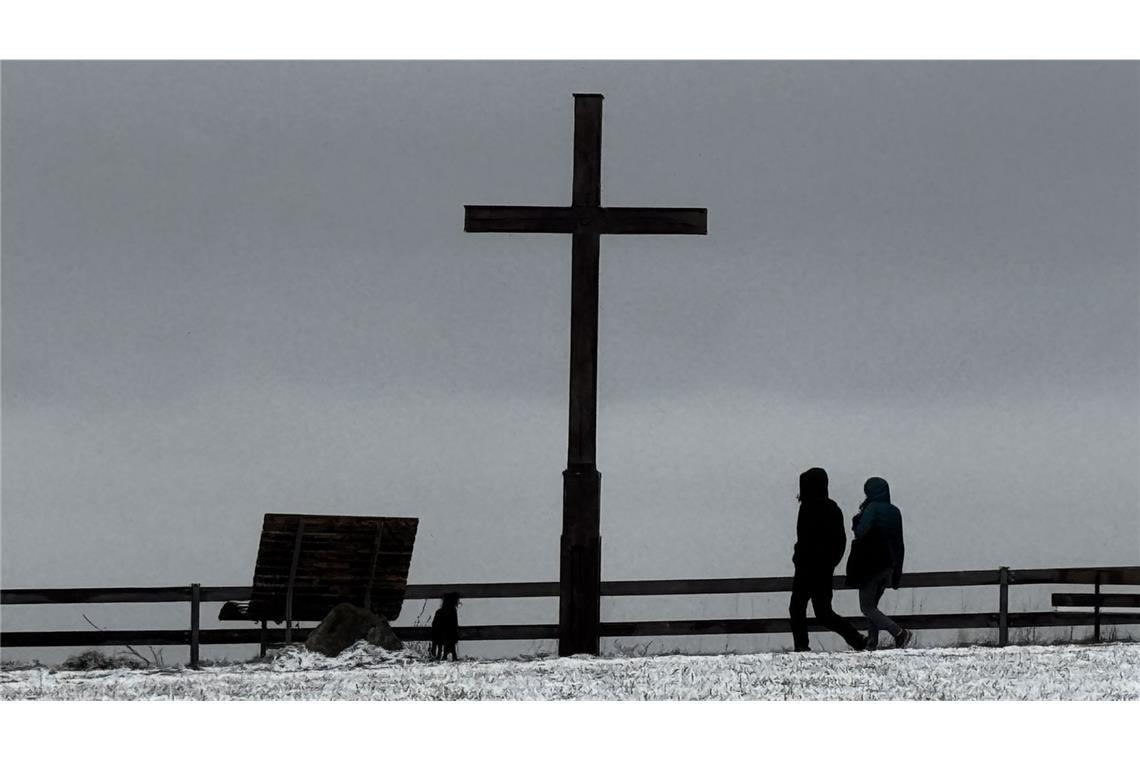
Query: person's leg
point(867, 599)
point(903, 637)
point(797, 611)
point(869, 595)
point(821, 605)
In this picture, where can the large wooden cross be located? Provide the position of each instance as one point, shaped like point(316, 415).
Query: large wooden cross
point(580, 575)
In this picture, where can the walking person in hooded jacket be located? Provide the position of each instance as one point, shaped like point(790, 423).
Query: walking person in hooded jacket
point(876, 559)
point(821, 539)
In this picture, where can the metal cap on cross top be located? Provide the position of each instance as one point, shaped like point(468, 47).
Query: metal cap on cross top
point(586, 220)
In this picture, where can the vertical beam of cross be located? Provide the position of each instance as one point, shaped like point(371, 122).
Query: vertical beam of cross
point(580, 576)
point(580, 555)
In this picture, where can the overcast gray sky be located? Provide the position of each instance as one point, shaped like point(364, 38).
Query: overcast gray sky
point(236, 288)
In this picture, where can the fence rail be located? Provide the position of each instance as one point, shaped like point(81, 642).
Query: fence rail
point(195, 594)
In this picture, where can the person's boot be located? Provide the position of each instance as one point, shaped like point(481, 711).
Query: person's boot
point(861, 644)
point(903, 638)
point(872, 643)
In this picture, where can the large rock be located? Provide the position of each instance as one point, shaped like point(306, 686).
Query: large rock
point(347, 624)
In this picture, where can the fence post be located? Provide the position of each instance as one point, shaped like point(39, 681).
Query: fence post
point(195, 619)
point(1003, 606)
point(1096, 610)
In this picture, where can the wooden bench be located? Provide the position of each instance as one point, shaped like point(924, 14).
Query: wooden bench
point(308, 564)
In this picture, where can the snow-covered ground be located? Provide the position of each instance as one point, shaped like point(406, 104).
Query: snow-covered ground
point(1018, 672)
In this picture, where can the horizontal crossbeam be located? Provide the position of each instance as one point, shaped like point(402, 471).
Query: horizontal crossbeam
point(616, 220)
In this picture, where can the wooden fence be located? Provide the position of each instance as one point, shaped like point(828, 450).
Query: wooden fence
point(195, 594)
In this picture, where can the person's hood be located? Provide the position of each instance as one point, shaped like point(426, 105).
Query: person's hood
point(813, 485)
point(876, 489)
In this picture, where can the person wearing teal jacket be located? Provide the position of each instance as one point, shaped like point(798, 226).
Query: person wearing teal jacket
point(876, 559)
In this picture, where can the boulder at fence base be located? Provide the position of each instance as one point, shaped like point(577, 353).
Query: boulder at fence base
point(347, 624)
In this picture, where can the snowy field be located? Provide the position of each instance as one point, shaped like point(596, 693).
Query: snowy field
point(1017, 672)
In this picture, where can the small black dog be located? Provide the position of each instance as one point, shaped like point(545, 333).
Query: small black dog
point(445, 628)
